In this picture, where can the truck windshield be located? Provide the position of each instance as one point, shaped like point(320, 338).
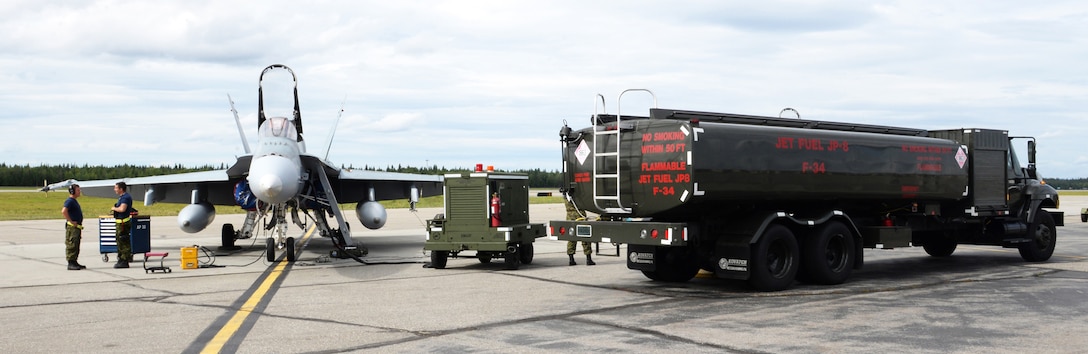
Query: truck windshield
point(1015, 168)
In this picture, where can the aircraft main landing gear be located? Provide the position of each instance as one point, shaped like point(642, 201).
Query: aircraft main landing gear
point(342, 251)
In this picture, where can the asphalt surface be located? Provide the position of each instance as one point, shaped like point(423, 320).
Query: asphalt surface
point(982, 299)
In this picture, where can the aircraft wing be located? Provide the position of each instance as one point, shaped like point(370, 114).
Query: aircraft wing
point(353, 186)
point(174, 188)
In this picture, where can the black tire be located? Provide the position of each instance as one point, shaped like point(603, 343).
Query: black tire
point(1043, 235)
point(939, 246)
point(827, 255)
point(484, 258)
point(672, 265)
point(290, 249)
point(438, 259)
point(228, 236)
point(1083, 217)
point(270, 249)
point(512, 257)
point(525, 253)
point(774, 260)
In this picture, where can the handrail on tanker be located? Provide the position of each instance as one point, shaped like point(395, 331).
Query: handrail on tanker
point(604, 109)
point(614, 155)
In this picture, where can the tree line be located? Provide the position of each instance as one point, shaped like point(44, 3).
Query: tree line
point(1068, 183)
point(27, 175)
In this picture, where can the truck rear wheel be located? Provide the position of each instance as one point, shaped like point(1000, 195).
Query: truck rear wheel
point(828, 255)
point(673, 265)
point(438, 259)
point(774, 260)
point(1043, 235)
point(939, 246)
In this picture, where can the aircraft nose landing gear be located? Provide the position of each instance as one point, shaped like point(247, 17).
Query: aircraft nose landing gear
point(288, 246)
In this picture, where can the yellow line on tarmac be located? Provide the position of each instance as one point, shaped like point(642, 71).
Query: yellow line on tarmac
point(216, 344)
point(235, 322)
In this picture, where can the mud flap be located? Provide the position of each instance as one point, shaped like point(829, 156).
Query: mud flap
point(733, 257)
point(641, 257)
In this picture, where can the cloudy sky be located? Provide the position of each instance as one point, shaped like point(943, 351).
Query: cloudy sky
point(463, 82)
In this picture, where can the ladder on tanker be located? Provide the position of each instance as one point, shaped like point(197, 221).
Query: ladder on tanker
point(606, 157)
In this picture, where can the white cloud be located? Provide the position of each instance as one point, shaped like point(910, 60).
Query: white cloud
point(455, 82)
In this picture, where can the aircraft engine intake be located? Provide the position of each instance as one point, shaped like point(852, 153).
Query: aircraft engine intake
point(371, 214)
point(195, 217)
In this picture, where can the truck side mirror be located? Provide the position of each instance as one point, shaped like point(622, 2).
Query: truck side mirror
point(1031, 152)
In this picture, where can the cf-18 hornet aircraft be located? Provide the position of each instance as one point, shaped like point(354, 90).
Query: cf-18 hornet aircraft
point(284, 179)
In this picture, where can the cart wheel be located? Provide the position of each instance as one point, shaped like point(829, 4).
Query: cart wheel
point(438, 259)
point(168, 270)
point(513, 260)
point(525, 253)
point(105, 258)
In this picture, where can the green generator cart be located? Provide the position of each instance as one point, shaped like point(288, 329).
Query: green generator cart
point(485, 212)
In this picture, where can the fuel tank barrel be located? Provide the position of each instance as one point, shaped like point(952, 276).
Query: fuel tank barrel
point(667, 163)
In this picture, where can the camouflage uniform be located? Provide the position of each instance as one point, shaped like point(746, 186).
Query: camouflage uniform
point(124, 228)
point(124, 240)
point(73, 228)
point(572, 214)
point(73, 234)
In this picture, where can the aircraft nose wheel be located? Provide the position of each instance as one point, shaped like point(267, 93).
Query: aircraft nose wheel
point(270, 249)
point(288, 249)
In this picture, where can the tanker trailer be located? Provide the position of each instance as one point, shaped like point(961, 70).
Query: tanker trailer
point(773, 200)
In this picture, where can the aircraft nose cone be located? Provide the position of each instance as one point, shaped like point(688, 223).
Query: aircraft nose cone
point(271, 186)
point(274, 179)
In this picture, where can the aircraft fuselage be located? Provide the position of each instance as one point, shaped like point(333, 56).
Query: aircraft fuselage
point(275, 173)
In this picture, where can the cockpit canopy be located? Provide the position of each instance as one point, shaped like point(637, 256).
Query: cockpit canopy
point(278, 127)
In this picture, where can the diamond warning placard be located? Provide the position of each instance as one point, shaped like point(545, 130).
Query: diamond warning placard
point(961, 157)
point(582, 152)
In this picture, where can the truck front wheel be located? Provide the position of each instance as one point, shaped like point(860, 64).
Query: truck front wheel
point(774, 260)
point(1043, 235)
point(828, 255)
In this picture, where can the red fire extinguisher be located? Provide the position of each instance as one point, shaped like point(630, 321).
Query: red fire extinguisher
point(495, 202)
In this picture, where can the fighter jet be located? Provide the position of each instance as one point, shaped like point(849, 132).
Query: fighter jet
point(276, 179)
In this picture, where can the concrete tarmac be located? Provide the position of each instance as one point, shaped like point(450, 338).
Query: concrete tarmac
point(982, 299)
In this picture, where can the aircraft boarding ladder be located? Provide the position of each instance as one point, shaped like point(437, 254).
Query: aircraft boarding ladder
point(606, 157)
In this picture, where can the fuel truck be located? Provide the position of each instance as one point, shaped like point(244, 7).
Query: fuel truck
point(772, 200)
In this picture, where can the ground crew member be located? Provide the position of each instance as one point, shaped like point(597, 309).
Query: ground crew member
point(122, 215)
point(73, 227)
point(496, 204)
point(573, 214)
